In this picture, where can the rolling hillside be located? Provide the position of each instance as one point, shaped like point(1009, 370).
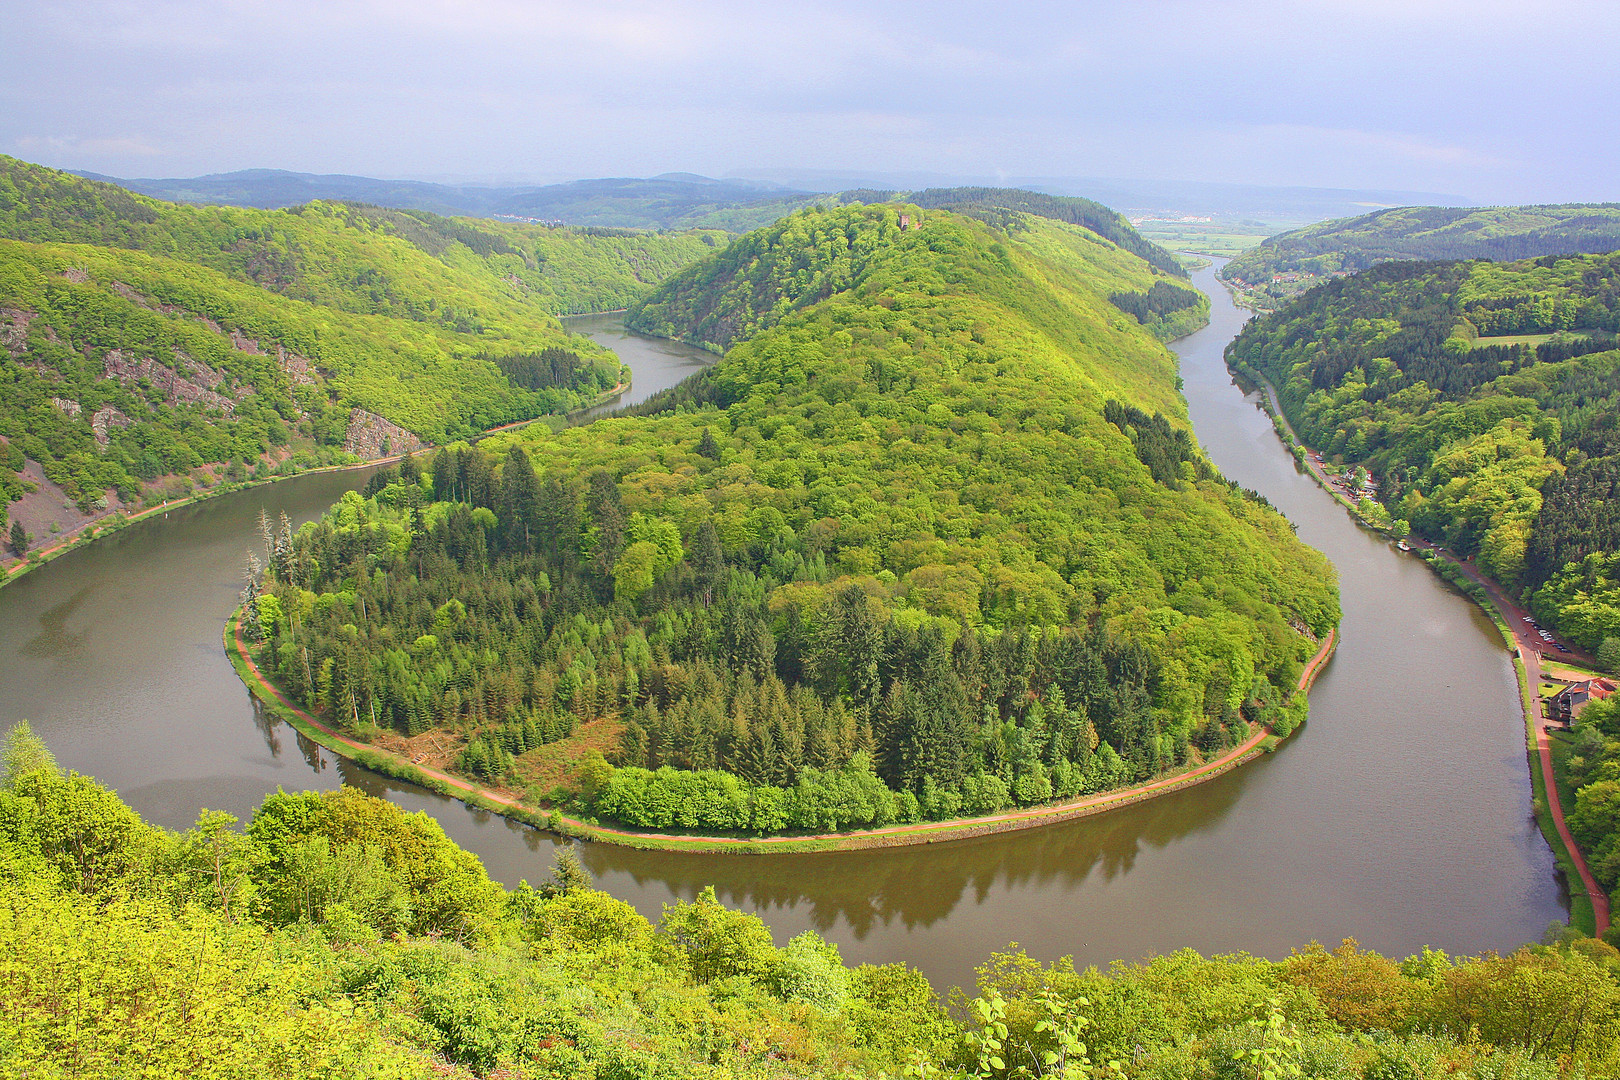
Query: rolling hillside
point(672, 201)
point(1499, 233)
point(145, 341)
point(932, 537)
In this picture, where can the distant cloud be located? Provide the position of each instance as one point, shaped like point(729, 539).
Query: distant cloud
point(1488, 98)
point(117, 147)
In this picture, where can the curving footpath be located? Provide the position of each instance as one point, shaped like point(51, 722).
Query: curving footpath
point(890, 836)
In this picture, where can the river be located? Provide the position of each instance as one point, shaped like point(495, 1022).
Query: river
point(1400, 814)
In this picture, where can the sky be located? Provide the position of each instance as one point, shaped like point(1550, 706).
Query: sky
point(1489, 100)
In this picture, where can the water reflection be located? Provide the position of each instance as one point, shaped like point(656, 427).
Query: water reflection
point(919, 886)
point(269, 727)
point(54, 641)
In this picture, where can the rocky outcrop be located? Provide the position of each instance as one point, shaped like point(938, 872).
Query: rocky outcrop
point(104, 420)
point(131, 295)
point(14, 330)
point(119, 365)
point(66, 406)
point(300, 370)
point(372, 436)
point(198, 372)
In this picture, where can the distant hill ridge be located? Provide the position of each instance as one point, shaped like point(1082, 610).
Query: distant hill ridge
point(1499, 233)
point(667, 201)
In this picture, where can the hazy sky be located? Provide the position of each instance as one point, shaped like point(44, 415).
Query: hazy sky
point(1492, 100)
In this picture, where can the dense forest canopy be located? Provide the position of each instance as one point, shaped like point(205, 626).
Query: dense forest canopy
point(932, 538)
point(334, 935)
point(143, 339)
point(1499, 233)
point(1481, 395)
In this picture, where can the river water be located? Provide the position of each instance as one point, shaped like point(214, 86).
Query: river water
point(1400, 814)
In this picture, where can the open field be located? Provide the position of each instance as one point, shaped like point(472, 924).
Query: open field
point(1531, 340)
point(1221, 236)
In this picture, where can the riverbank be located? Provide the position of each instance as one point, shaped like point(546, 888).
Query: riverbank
point(97, 528)
point(275, 702)
point(1589, 904)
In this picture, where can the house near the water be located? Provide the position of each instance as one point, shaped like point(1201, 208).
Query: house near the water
point(1564, 705)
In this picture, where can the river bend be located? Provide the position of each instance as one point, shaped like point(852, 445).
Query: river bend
point(1400, 814)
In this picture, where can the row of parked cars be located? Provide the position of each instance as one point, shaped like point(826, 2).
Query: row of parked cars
point(1545, 636)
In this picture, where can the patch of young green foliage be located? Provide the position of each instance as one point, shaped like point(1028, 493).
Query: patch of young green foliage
point(567, 270)
point(1499, 233)
point(1507, 453)
point(807, 257)
point(1169, 311)
point(338, 936)
point(907, 553)
point(1005, 208)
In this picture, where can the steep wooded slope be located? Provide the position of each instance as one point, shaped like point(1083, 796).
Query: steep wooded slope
point(458, 273)
point(940, 541)
point(1483, 398)
point(144, 339)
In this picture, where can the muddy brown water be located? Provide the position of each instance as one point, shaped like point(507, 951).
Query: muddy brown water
point(1400, 814)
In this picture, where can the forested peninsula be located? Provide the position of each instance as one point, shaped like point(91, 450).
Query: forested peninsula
point(933, 538)
point(147, 347)
point(1480, 401)
point(334, 935)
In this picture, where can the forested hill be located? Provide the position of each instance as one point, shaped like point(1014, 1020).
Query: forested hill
point(1002, 207)
point(335, 936)
point(774, 271)
point(145, 340)
point(938, 543)
point(1499, 233)
point(1483, 397)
